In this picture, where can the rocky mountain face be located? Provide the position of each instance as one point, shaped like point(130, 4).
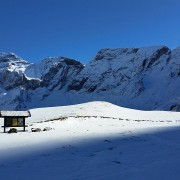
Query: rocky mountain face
point(141, 78)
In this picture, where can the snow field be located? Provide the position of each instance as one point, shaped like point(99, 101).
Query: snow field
point(97, 140)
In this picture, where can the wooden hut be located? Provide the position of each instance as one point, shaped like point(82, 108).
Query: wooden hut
point(14, 118)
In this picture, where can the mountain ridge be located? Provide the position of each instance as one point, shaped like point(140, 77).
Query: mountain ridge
point(139, 78)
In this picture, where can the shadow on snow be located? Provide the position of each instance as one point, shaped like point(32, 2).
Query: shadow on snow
point(152, 155)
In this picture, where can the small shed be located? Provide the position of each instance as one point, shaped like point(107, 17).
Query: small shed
point(14, 118)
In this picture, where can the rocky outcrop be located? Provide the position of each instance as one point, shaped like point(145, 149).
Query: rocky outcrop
point(116, 68)
point(61, 73)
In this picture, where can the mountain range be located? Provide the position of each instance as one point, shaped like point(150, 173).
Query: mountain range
point(145, 78)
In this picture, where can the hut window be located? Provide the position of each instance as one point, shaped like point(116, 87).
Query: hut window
point(20, 122)
point(14, 122)
point(8, 122)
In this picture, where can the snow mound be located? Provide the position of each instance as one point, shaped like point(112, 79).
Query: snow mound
point(100, 109)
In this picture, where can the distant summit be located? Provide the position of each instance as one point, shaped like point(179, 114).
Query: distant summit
point(141, 78)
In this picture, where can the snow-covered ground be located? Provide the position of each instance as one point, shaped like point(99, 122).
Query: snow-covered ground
point(95, 140)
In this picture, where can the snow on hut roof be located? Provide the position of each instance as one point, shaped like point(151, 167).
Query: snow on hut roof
point(15, 113)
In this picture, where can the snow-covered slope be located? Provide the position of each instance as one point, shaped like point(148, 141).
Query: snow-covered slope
point(140, 78)
point(95, 140)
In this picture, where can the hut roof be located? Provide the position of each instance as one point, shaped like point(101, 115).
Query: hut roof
point(15, 114)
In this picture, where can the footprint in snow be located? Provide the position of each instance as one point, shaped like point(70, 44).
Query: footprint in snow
point(45, 155)
point(111, 148)
point(117, 162)
point(91, 155)
point(107, 140)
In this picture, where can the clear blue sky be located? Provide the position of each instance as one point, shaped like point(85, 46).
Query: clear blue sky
point(35, 29)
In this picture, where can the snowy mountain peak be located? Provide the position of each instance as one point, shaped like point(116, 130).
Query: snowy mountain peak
point(141, 78)
point(51, 60)
point(12, 62)
point(8, 57)
point(113, 53)
point(176, 53)
point(6, 54)
point(38, 70)
point(119, 53)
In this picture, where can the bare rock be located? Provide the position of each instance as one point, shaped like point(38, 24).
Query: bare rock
point(12, 130)
point(35, 129)
point(47, 129)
